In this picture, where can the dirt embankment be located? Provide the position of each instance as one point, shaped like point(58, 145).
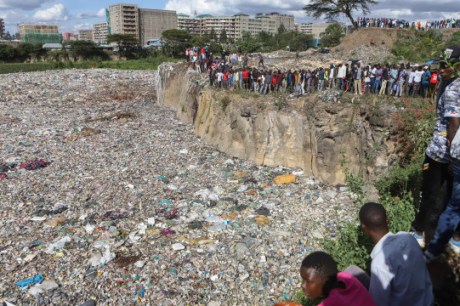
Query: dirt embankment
point(369, 37)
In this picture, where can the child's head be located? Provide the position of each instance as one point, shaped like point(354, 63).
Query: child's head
point(319, 272)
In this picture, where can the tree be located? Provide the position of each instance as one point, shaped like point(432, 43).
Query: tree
point(175, 42)
point(213, 35)
point(126, 43)
point(200, 40)
point(333, 8)
point(267, 41)
point(281, 29)
point(28, 50)
point(87, 50)
point(223, 36)
point(7, 53)
point(247, 43)
point(331, 36)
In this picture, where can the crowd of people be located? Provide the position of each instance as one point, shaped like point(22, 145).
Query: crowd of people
point(386, 23)
point(355, 77)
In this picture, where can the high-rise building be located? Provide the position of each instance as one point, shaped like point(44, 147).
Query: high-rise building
point(124, 19)
point(144, 24)
point(154, 22)
point(2, 27)
point(235, 25)
point(100, 32)
point(85, 35)
point(39, 33)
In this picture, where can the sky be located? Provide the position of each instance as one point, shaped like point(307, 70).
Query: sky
point(73, 15)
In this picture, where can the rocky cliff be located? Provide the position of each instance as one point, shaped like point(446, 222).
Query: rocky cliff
point(323, 137)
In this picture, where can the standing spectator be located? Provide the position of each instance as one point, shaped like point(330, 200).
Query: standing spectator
point(401, 79)
point(393, 79)
point(385, 77)
point(410, 90)
point(332, 76)
point(367, 80)
point(436, 178)
point(321, 74)
point(378, 79)
point(357, 77)
point(425, 81)
point(418, 80)
point(448, 121)
point(372, 73)
point(245, 77)
point(341, 74)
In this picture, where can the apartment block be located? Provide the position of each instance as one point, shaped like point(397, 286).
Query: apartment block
point(154, 22)
point(234, 25)
point(2, 27)
point(100, 32)
point(39, 33)
point(314, 29)
point(144, 24)
point(85, 35)
point(124, 19)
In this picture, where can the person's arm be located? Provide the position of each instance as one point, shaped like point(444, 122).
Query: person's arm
point(452, 111)
point(452, 127)
point(380, 286)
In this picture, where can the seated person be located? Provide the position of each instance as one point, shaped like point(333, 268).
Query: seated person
point(398, 271)
point(321, 279)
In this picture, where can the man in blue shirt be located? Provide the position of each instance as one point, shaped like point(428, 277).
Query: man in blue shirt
point(399, 276)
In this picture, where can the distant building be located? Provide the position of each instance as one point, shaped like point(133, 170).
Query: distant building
point(124, 19)
point(39, 33)
point(100, 32)
point(144, 24)
point(2, 27)
point(234, 25)
point(154, 22)
point(67, 36)
point(85, 35)
point(314, 29)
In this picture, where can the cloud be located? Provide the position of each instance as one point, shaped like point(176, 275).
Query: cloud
point(408, 9)
point(232, 7)
point(82, 26)
point(99, 13)
point(22, 4)
point(55, 13)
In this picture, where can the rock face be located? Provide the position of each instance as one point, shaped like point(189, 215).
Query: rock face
point(325, 139)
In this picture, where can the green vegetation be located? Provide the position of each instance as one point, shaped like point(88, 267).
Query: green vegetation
point(332, 35)
point(267, 42)
point(417, 46)
point(143, 64)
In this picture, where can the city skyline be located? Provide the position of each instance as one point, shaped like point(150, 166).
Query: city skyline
point(72, 16)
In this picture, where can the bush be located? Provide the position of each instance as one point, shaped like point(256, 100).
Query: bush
point(412, 128)
point(417, 46)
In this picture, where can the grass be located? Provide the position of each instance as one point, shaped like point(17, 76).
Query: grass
point(141, 64)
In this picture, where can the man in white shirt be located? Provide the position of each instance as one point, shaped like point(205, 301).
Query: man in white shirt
point(341, 74)
point(411, 82)
point(399, 276)
point(417, 80)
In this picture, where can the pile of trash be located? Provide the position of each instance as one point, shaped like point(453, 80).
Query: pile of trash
point(110, 201)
